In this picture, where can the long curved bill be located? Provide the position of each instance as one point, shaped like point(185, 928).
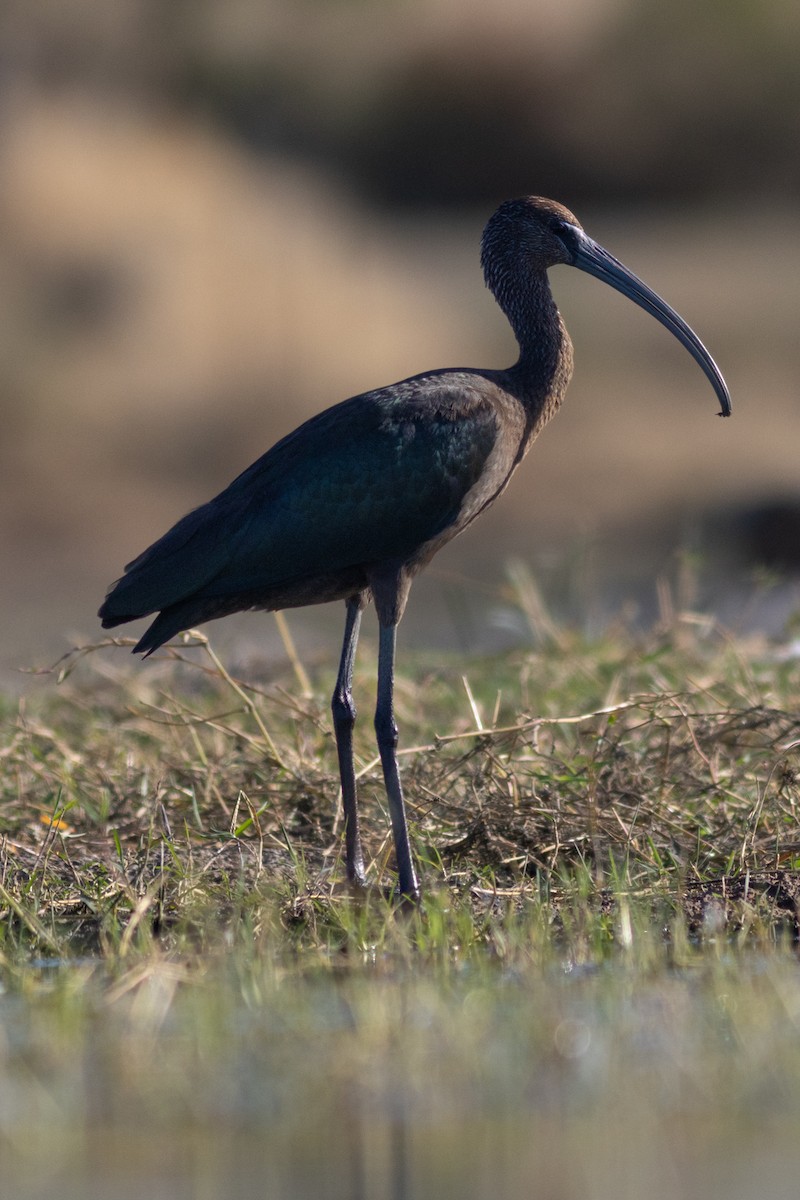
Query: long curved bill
point(593, 259)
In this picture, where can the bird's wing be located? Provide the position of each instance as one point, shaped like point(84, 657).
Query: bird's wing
point(369, 480)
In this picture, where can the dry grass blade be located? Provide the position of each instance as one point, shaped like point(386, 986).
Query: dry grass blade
point(683, 777)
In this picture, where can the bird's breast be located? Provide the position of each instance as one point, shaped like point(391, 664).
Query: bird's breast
point(495, 459)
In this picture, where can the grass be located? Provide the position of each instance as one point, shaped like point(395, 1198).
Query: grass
point(599, 991)
point(663, 766)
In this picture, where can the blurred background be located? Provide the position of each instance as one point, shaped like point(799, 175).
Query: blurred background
point(218, 217)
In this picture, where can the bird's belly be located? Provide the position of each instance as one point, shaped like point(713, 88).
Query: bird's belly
point(315, 589)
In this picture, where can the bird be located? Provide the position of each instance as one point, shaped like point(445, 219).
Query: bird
point(353, 503)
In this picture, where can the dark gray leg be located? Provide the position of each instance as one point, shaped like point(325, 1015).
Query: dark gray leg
point(344, 718)
point(386, 731)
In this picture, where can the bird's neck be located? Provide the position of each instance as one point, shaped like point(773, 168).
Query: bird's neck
point(543, 370)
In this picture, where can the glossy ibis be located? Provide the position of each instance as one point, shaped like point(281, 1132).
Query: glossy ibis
point(355, 502)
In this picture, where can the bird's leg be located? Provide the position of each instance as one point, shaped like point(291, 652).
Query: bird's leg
point(386, 731)
point(344, 718)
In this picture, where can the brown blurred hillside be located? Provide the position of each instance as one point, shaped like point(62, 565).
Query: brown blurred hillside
point(217, 219)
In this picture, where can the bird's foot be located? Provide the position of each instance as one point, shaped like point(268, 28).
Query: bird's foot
point(357, 877)
point(409, 897)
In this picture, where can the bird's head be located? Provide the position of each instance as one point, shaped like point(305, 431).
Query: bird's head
point(531, 230)
point(525, 237)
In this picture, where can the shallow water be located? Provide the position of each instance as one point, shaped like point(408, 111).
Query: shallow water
point(555, 1083)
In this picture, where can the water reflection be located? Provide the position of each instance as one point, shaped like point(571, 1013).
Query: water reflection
point(549, 1083)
